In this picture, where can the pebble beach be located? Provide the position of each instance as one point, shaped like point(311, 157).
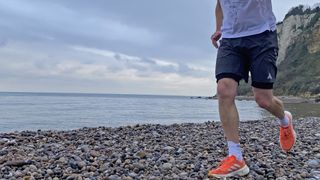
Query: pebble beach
point(146, 151)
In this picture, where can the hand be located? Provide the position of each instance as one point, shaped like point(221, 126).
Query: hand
point(215, 38)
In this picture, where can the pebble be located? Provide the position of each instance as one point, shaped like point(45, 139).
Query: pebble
point(27, 178)
point(114, 177)
point(313, 163)
point(281, 178)
point(127, 178)
point(62, 160)
point(167, 166)
point(132, 174)
point(316, 173)
point(49, 172)
point(3, 152)
point(141, 154)
point(168, 148)
point(179, 151)
point(33, 168)
point(18, 163)
point(94, 153)
point(85, 148)
point(81, 164)
point(74, 177)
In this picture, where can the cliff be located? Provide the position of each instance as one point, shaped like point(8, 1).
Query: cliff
point(299, 54)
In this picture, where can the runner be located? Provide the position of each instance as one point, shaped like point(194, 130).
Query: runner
point(248, 44)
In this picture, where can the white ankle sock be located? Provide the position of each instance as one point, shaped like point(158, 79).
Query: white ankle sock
point(284, 122)
point(235, 149)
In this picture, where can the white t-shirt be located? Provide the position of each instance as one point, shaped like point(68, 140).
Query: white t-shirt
point(246, 17)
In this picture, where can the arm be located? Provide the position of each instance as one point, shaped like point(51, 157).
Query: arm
point(219, 17)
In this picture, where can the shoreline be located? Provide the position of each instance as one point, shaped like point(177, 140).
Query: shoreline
point(153, 151)
point(285, 99)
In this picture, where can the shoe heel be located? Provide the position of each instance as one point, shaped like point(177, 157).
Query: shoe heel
point(244, 171)
point(289, 114)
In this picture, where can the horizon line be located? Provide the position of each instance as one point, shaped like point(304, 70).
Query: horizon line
point(92, 93)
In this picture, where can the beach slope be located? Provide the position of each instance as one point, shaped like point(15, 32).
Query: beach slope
point(178, 151)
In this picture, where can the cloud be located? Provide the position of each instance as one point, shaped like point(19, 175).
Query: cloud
point(3, 42)
point(144, 67)
point(94, 64)
point(70, 45)
point(49, 20)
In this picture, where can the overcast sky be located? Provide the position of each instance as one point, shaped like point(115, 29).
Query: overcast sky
point(111, 46)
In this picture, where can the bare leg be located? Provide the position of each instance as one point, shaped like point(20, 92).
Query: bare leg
point(227, 90)
point(266, 100)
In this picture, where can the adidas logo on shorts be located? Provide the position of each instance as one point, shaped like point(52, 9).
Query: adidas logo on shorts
point(269, 76)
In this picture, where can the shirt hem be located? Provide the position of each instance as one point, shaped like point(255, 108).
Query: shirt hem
point(250, 33)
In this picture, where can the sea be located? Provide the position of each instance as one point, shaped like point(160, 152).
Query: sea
point(20, 111)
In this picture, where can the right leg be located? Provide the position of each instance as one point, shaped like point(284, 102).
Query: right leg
point(231, 67)
point(226, 91)
point(233, 165)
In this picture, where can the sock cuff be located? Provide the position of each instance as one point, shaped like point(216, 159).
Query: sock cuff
point(235, 149)
point(231, 143)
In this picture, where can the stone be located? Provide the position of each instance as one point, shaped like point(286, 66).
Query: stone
point(3, 152)
point(168, 148)
point(81, 164)
point(27, 178)
point(132, 174)
point(313, 163)
point(131, 153)
point(183, 174)
point(114, 177)
point(94, 153)
point(118, 162)
point(304, 174)
point(167, 166)
point(73, 164)
point(74, 177)
point(18, 163)
point(254, 138)
point(49, 172)
point(127, 178)
point(179, 151)
point(62, 160)
point(141, 154)
point(33, 168)
point(282, 156)
point(85, 148)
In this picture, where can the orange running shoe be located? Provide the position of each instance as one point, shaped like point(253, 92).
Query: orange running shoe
point(230, 167)
point(287, 135)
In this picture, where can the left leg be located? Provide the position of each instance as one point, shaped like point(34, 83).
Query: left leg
point(263, 71)
point(266, 100)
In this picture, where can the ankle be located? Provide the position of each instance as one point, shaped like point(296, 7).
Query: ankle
point(234, 149)
point(284, 122)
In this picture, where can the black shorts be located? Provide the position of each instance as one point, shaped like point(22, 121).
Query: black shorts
point(256, 54)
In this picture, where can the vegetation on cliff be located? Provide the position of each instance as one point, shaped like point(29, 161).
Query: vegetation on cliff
point(299, 72)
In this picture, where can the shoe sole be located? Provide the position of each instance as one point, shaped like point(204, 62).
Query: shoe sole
point(241, 172)
point(294, 134)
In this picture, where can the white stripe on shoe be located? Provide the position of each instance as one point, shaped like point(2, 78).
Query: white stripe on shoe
point(241, 172)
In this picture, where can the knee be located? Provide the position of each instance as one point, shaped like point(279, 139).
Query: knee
point(263, 101)
point(226, 90)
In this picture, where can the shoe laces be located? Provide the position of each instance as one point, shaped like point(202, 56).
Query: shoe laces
point(286, 132)
point(225, 162)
